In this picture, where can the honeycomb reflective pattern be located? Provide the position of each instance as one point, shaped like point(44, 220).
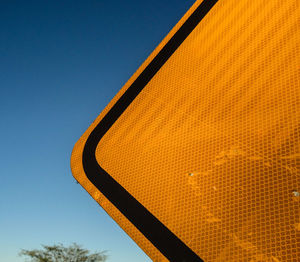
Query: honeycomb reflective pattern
point(211, 144)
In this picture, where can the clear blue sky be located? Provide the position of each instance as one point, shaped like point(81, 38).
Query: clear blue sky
point(61, 62)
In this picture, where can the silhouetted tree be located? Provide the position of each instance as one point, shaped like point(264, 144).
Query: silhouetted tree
point(59, 253)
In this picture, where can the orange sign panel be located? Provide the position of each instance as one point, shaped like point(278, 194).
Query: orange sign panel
point(197, 157)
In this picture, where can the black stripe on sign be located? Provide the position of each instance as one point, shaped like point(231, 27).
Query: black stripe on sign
point(157, 233)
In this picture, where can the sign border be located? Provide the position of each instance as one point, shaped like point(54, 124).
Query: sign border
point(157, 233)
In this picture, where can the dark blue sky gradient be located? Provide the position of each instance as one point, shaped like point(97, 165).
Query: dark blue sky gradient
point(61, 62)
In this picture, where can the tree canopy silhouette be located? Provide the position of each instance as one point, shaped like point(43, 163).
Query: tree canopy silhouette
point(60, 253)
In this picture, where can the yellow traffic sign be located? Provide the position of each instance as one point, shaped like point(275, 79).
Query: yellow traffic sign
point(197, 157)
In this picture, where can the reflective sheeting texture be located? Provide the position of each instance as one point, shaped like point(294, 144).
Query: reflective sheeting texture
point(211, 145)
